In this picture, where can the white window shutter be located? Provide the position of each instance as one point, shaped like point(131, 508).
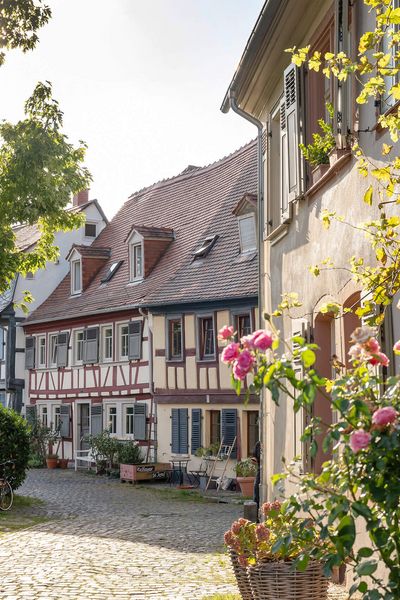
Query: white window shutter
point(65, 418)
point(139, 420)
point(30, 352)
point(292, 95)
point(62, 349)
point(341, 88)
point(91, 345)
point(96, 419)
point(247, 227)
point(135, 340)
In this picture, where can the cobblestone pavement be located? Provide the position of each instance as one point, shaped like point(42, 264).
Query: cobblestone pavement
point(109, 540)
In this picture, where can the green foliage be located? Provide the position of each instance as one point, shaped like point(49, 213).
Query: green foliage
point(211, 450)
point(104, 447)
point(246, 468)
point(14, 445)
point(317, 153)
point(129, 453)
point(19, 22)
point(40, 170)
point(41, 441)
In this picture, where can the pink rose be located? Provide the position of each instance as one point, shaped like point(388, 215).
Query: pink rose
point(362, 334)
point(396, 347)
point(238, 373)
point(384, 416)
point(379, 359)
point(236, 527)
point(247, 341)
point(355, 352)
point(245, 360)
point(228, 538)
point(372, 345)
point(359, 440)
point(262, 340)
point(225, 333)
point(230, 353)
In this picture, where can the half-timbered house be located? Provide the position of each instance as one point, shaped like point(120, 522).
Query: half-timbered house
point(128, 340)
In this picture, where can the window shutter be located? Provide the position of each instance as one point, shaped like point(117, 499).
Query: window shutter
point(229, 428)
point(179, 430)
point(62, 349)
point(135, 340)
point(65, 420)
point(2, 343)
point(96, 419)
point(292, 95)
point(139, 420)
point(196, 430)
point(284, 191)
point(30, 352)
point(341, 88)
point(247, 226)
point(91, 345)
point(31, 414)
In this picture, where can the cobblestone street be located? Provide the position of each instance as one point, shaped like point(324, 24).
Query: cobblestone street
point(109, 540)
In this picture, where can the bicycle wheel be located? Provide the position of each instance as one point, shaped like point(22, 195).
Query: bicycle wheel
point(6, 495)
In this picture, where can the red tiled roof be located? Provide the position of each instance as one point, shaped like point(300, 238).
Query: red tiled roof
point(195, 205)
point(90, 251)
point(152, 232)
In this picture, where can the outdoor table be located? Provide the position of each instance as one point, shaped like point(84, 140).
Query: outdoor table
point(179, 465)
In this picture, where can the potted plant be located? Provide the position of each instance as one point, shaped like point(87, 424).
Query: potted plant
point(276, 558)
point(129, 455)
point(51, 460)
point(245, 475)
point(317, 153)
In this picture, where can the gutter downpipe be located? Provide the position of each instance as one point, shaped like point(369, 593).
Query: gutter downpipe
point(146, 315)
point(260, 235)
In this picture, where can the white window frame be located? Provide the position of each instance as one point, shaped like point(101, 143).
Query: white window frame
point(76, 289)
point(43, 411)
point(76, 333)
point(243, 218)
point(120, 355)
point(52, 336)
point(104, 328)
point(39, 339)
point(124, 420)
point(55, 415)
point(134, 276)
point(108, 409)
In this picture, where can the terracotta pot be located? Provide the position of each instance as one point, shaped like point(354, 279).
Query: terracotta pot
point(319, 172)
point(52, 463)
point(246, 485)
point(63, 463)
point(337, 153)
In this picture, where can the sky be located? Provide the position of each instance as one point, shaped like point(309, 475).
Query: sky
point(141, 82)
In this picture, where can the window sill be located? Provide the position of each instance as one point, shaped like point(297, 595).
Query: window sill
point(175, 361)
point(329, 174)
point(277, 234)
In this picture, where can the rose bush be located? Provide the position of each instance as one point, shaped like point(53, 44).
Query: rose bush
point(360, 481)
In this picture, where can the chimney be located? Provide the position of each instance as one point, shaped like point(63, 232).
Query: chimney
point(81, 198)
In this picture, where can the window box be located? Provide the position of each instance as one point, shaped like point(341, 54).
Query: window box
point(319, 172)
point(337, 153)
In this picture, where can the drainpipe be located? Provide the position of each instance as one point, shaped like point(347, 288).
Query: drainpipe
point(260, 237)
point(146, 314)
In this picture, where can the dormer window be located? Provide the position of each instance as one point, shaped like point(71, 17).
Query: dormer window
point(136, 261)
point(247, 233)
point(205, 246)
point(76, 276)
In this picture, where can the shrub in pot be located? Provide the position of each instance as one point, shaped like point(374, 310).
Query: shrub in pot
point(129, 454)
point(246, 471)
point(52, 460)
point(14, 445)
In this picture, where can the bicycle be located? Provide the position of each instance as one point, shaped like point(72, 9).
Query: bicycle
point(6, 493)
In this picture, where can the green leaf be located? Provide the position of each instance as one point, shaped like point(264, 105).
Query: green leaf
point(308, 358)
point(367, 567)
point(368, 196)
point(365, 552)
point(361, 509)
point(346, 531)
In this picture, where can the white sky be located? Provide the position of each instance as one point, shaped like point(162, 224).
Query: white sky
point(141, 81)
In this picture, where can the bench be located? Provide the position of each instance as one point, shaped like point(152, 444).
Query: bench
point(83, 456)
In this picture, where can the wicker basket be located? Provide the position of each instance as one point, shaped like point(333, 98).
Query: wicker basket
point(242, 579)
point(281, 581)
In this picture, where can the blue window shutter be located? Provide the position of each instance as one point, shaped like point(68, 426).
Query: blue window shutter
point(65, 419)
point(196, 430)
point(31, 414)
point(179, 431)
point(62, 349)
point(183, 431)
point(139, 420)
point(229, 428)
point(91, 345)
point(96, 418)
point(30, 352)
point(135, 340)
point(175, 431)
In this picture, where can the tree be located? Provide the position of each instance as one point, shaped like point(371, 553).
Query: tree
point(39, 169)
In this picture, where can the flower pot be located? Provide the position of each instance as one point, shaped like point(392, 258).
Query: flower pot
point(63, 463)
point(242, 578)
point(246, 485)
point(280, 581)
point(337, 153)
point(319, 172)
point(52, 463)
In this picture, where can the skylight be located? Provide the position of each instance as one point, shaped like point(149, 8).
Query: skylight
point(112, 270)
point(205, 247)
